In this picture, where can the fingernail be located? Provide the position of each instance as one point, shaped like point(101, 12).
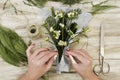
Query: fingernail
point(55, 57)
point(56, 51)
point(67, 55)
point(67, 50)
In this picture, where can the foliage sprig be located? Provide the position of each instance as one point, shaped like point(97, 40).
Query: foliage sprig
point(96, 8)
point(100, 7)
point(40, 3)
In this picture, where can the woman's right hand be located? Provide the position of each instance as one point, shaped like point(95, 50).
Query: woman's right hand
point(82, 63)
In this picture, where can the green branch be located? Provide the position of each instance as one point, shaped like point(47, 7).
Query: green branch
point(5, 6)
point(100, 7)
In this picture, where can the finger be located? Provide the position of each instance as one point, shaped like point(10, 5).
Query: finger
point(50, 62)
point(46, 58)
point(38, 51)
point(77, 56)
point(42, 54)
point(85, 53)
point(72, 60)
point(28, 51)
point(74, 63)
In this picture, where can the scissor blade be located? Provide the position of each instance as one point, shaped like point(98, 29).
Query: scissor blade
point(102, 40)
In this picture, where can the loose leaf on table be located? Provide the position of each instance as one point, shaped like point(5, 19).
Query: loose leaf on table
point(100, 7)
point(13, 48)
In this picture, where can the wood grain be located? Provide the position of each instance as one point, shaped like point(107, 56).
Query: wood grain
point(35, 16)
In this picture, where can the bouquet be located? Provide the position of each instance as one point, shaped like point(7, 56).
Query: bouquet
point(63, 30)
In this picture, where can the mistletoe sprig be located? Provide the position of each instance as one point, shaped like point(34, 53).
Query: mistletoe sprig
point(62, 28)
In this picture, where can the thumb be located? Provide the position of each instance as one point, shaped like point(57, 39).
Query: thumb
point(28, 51)
point(72, 60)
point(49, 64)
point(74, 63)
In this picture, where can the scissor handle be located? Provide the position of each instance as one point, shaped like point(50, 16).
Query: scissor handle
point(106, 71)
point(99, 68)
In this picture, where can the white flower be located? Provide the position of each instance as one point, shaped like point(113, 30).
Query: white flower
point(62, 25)
point(60, 15)
point(56, 12)
point(51, 29)
point(56, 17)
point(76, 12)
point(62, 43)
point(71, 14)
point(57, 34)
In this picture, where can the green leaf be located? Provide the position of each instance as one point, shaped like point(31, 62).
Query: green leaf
point(5, 4)
point(74, 27)
point(70, 2)
point(41, 3)
point(37, 3)
point(53, 11)
point(7, 56)
point(100, 7)
point(13, 48)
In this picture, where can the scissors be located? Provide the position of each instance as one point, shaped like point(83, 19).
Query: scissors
point(103, 67)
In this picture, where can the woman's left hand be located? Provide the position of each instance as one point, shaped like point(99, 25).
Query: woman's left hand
point(39, 62)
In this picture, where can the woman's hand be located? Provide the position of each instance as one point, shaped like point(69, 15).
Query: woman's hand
point(82, 63)
point(39, 62)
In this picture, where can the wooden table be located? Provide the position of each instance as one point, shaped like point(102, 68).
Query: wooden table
point(33, 15)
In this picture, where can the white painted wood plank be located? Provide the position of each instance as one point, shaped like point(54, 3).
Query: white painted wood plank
point(9, 72)
point(35, 16)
